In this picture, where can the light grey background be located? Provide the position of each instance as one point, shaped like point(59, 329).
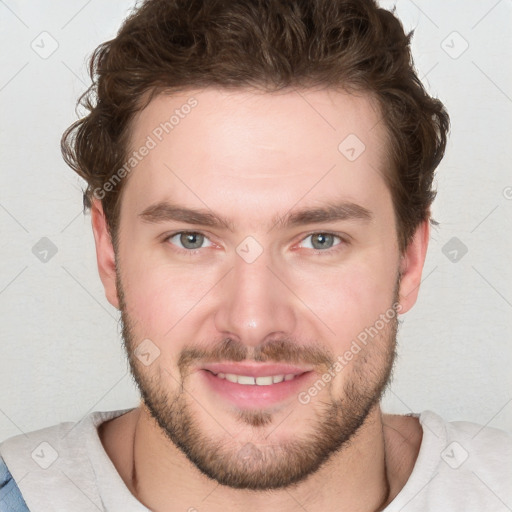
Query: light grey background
point(61, 353)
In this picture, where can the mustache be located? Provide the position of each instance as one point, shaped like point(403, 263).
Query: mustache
point(283, 350)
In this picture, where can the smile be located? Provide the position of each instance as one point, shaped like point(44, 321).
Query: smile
point(253, 386)
point(248, 380)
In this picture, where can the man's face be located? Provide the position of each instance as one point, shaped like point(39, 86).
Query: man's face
point(270, 289)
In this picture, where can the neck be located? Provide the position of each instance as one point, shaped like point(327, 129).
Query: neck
point(353, 479)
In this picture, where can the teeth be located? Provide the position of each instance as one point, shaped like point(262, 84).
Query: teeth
point(264, 381)
point(258, 381)
point(243, 379)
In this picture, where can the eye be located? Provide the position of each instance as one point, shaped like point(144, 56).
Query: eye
point(193, 240)
point(321, 241)
point(189, 240)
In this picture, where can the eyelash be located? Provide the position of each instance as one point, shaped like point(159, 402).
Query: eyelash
point(190, 252)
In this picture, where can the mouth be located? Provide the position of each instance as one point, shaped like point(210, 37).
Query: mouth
point(251, 386)
point(248, 380)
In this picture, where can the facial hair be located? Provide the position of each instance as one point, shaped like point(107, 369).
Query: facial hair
point(245, 465)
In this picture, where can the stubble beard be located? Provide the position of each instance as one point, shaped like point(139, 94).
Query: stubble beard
point(239, 465)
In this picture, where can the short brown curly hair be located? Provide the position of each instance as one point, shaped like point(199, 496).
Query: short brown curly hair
point(174, 45)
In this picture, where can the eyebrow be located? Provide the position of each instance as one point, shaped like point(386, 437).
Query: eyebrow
point(165, 211)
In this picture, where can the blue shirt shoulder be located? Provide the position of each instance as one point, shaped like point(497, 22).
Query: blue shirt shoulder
point(11, 499)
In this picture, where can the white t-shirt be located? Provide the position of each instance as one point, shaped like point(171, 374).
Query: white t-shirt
point(461, 466)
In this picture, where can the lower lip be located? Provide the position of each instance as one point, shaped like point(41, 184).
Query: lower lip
point(248, 396)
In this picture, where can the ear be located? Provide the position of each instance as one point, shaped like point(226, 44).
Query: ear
point(105, 255)
point(411, 266)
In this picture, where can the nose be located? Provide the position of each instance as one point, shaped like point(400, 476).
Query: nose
point(256, 303)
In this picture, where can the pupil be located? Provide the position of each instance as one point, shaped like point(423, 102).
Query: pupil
point(321, 241)
point(191, 240)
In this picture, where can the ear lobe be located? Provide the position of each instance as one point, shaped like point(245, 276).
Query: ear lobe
point(105, 255)
point(411, 266)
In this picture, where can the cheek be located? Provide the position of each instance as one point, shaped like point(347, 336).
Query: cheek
point(159, 295)
point(349, 297)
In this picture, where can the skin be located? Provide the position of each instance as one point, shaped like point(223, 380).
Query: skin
point(248, 157)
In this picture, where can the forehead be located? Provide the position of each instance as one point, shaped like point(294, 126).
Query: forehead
point(241, 150)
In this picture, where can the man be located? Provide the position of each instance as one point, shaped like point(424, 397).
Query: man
point(260, 180)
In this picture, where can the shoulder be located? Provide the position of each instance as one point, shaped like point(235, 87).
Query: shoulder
point(461, 466)
point(475, 463)
point(10, 495)
point(48, 464)
point(482, 447)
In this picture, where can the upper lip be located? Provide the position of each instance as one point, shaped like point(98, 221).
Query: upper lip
point(255, 369)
